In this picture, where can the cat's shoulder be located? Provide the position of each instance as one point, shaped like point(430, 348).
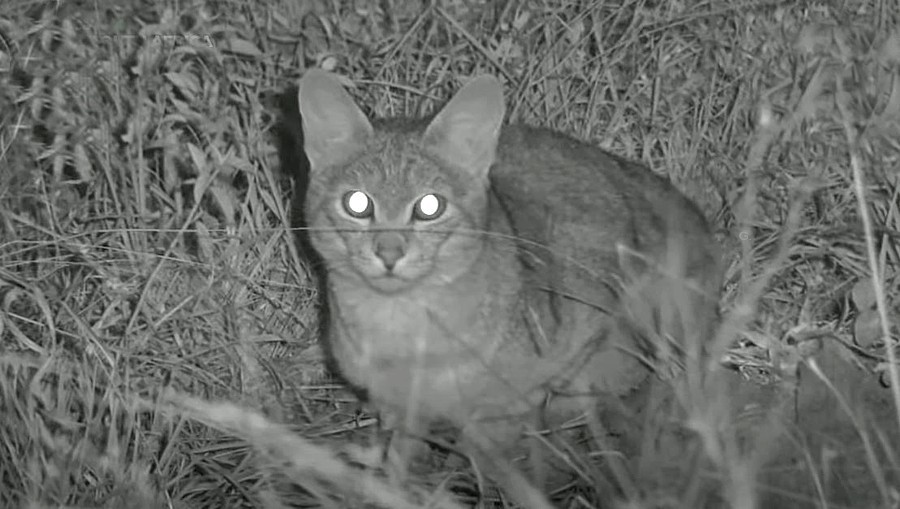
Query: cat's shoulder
point(523, 143)
point(550, 160)
point(538, 166)
point(523, 134)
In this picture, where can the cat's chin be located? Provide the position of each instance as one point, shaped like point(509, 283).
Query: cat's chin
point(389, 284)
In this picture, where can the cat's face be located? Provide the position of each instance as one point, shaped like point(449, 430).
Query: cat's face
point(394, 218)
point(403, 204)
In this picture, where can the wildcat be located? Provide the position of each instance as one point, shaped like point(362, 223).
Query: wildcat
point(480, 273)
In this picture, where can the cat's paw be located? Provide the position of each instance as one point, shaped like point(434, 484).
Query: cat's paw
point(405, 454)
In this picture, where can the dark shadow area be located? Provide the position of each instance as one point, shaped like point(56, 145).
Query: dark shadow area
point(288, 131)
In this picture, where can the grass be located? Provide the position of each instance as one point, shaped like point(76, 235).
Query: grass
point(158, 330)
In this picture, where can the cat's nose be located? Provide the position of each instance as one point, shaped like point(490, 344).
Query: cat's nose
point(390, 247)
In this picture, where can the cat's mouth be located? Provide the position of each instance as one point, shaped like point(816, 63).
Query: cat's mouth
point(388, 282)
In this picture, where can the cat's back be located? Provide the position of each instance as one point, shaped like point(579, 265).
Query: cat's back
point(562, 184)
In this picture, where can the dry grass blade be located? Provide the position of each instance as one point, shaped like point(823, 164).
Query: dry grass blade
point(299, 457)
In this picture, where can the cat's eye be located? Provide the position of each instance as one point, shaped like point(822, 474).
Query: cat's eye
point(429, 207)
point(358, 204)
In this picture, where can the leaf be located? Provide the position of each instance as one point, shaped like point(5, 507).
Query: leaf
point(867, 328)
point(170, 172)
point(892, 109)
point(521, 20)
point(809, 38)
point(185, 83)
point(198, 157)
point(267, 198)
point(225, 201)
point(59, 164)
point(242, 47)
point(329, 63)
point(203, 174)
point(864, 294)
point(890, 51)
point(83, 164)
point(867, 325)
point(204, 243)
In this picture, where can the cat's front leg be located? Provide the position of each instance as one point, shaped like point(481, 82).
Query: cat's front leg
point(406, 446)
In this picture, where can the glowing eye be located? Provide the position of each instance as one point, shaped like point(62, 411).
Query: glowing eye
point(358, 204)
point(428, 207)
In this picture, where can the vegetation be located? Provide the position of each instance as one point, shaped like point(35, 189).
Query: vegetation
point(158, 331)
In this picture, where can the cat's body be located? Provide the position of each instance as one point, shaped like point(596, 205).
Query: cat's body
point(376, 335)
point(484, 268)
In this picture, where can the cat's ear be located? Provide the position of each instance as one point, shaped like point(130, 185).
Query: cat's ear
point(466, 131)
point(333, 125)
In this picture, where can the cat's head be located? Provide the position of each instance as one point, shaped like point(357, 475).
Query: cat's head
point(398, 203)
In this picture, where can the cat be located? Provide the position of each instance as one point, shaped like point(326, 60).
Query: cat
point(479, 274)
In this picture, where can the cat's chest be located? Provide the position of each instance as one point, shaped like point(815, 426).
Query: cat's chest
point(377, 332)
point(392, 326)
point(401, 348)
